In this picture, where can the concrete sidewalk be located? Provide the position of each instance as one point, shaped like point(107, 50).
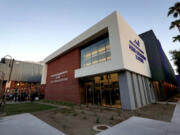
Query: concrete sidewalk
point(26, 124)
point(144, 126)
point(176, 115)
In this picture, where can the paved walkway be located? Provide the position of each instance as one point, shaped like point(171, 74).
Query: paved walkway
point(144, 126)
point(26, 124)
point(176, 115)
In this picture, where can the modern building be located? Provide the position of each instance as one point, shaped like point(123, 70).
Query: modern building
point(178, 81)
point(107, 65)
point(163, 76)
point(20, 75)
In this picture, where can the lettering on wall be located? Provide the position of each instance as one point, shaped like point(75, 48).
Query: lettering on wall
point(59, 77)
point(135, 47)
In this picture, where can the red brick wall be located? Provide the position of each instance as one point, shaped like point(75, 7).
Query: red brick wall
point(68, 90)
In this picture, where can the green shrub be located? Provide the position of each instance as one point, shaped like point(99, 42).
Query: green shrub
point(84, 118)
point(112, 117)
point(119, 113)
point(64, 127)
point(80, 106)
point(82, 112)
point(66, 111)
point(97, 120)
point(75, 114)
point(72, 107)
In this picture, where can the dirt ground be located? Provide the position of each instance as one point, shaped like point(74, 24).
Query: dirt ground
point(79, 120)
point(175, 98)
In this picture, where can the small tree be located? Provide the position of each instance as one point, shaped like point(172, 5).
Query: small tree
point(175, 11)
point(176, 58)
point(177, 38)
point(175, 24)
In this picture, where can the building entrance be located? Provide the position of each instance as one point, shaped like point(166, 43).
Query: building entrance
point(102, 90)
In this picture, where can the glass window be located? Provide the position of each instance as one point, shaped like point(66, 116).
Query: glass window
point(95, 60)
point(82, 59)
point(96, 53)
point(107, 47)
point(108, 52)
point(108, 55)
point(101, 49)
point(94, 50)
point(88, 53)
point(88, 62)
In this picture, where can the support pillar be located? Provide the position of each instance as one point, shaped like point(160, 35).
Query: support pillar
point(126, 91)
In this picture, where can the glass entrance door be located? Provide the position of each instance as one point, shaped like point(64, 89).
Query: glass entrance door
point(103, 90)
point(89, 92)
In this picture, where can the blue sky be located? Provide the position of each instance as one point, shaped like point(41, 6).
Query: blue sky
point(32, 29)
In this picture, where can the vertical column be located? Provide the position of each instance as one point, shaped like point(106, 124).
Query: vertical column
point(143, 96)
point(145, 91)
point(136, 90)
point(149, 90)
point(152, 92)
point(126, 91)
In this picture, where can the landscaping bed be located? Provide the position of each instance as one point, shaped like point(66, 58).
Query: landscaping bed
point(79, 120)
point(175, 98)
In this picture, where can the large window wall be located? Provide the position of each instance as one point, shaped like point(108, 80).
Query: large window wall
point(96, 52)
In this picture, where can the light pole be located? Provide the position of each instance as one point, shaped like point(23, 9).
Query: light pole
point(1, 92)
point(10, 65)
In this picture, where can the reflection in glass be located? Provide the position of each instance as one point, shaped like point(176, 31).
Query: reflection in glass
point(96, 53)
point(103, 89)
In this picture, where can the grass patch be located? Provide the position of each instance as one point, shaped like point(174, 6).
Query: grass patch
point(58, 102)
point(11, 109)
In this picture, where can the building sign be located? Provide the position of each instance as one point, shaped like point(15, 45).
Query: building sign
point(59, 77)
point(135, 47)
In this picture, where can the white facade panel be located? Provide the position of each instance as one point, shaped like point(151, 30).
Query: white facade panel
point(129, 38)
point(116, 62)
point(122, 57)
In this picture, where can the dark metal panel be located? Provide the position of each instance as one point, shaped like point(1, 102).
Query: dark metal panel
point(160, 66)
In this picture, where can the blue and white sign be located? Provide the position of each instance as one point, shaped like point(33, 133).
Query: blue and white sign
point(134, 46)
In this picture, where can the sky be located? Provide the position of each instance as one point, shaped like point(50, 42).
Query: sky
point(30, 30)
